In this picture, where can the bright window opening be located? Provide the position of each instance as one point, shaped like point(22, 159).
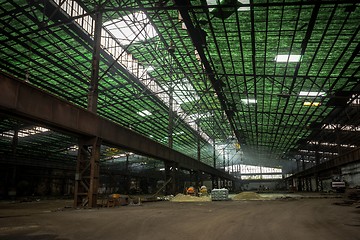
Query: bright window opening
point(134, 27)
point(215, 2)
point(144, 113)
point(25, 132)
point(249, 101)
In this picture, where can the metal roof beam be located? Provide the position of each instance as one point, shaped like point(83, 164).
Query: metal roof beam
point(183, 7)
point(26, 101)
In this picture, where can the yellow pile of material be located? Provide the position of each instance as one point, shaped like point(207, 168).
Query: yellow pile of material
point(247, 196)
point(187, 198)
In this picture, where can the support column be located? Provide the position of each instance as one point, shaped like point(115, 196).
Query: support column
point(228, 162)
point(214, 154)
point(93, 88)
point(303, 163)
point(171, 167)
point(215, 181)
point(307, 184)
point(87, 170)
point(87, 173)
point(171, 175)
point(171, 117)
point(12, 190)
point(224, 158)
point(127, 175)
point(317, 162)
point(198, 140)
point(197, 180)
point(299, 185)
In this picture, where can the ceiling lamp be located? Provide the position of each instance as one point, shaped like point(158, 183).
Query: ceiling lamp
point(311, 94)
point(287, 58)
point(312, 104)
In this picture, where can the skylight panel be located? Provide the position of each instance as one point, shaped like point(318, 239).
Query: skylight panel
point(184, 92)
point(150, 69)
point(244, 8)
point(25, 132)
point(134, 27)
point(249, 101)
point(215, 2)
point(144, 113)
point(287, 58)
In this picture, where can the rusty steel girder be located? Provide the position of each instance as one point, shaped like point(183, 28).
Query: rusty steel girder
point(21, 99)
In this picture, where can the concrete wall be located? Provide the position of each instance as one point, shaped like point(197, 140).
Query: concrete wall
point(351, 174)
point(256, 186)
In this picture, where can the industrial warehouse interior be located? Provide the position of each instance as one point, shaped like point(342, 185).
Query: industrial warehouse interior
point(180, 119)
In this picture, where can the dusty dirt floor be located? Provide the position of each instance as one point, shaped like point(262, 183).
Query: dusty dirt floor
point(282, 219)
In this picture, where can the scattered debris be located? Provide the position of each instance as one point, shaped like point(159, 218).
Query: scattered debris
point(352, 198)
point(353, 194)
point(187, 198)
point(248, 196)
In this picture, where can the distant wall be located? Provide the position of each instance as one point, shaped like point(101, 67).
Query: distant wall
point(351, 174)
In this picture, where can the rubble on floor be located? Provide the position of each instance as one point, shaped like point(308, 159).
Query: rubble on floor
point(248, 196)
point(187, 198)
point(352, 198)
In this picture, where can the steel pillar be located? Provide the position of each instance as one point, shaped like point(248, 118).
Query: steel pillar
point(198, 143)
point(127, 176)
point(214, 153)
point(197, 181)
point(171, 172)
point(316, 175)
point(215, 181)
point(87, 172)
point(171, 117)
point(93, 88)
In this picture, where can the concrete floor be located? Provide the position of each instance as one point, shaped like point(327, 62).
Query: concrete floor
point(290, 218)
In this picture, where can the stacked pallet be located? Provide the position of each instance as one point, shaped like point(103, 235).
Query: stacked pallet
point(219, 194)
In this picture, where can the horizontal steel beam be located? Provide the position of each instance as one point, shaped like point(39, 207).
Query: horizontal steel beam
point(21, 99)
point(349, 157)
